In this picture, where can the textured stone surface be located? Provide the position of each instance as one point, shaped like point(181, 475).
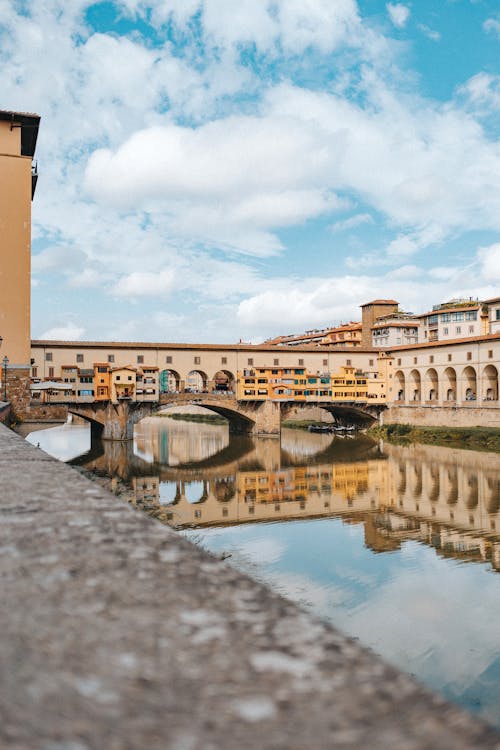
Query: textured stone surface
point(117, 634)
point(466, 415)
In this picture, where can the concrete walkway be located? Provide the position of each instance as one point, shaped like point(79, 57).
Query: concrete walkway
point(117, 634)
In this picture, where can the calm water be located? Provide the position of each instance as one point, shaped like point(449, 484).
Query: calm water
point(397, 546)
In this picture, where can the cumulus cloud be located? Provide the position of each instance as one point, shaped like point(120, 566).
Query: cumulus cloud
point(352, 222)
point(398, 13)
point(144, 284)
point(67, 332)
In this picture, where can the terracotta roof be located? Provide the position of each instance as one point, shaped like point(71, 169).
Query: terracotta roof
point(250, 348)
point(381, 302)
point(401, 324)
point(459, 308)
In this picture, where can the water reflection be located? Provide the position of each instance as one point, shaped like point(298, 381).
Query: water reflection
point(380, 550)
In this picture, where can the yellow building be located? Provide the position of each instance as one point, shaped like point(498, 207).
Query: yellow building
point(123, 383)
point(18, 136)
point(102, 381)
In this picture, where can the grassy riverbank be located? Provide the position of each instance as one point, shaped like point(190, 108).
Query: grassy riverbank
point(473, 438)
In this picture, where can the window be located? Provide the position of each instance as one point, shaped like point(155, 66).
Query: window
point(168, 360)
point(276, 362)
point(370, 362)
point(458, 329)
point(471, 329)
point(445, 331)
point(51, 372)
point(399, 363)
point(469, 355)
point(431, 358)
point(250, 361)
point(118, 377)
point(472, 315)
point(497, 314)
point(490, 353)
point(48, 356)
point(457, 316)
point(414, 360)
point(449, 357)
point(348, 363)
point(433, 319)
point(102, 369)
point(325, 363)
point(79, 357)
point(301, 362)
point(223, 361)
point(34, 372)
point(197, 360)
point(140, 359)
point(445, 318)
point(111, 358)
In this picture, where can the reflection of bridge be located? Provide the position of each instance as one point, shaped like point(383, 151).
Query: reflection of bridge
point(115, 421)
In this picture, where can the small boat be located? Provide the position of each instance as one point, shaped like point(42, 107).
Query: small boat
point(319, 428)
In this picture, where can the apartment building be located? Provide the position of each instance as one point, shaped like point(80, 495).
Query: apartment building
point(344, 336)
point(396, 329)
point(456, 319)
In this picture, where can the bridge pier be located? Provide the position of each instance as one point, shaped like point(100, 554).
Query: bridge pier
point(109, 421)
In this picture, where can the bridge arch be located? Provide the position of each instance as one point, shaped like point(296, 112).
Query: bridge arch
point(490, 383)
point(415, 382)
point(224, 381)
point(431, 384)
point(469, 384)
point(196, 382)
point(399, 378)
point(170, 381)
point(450, 384)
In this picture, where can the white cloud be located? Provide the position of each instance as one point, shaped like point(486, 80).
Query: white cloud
point(482, 93)
point(67, 332)
point(489, 259)
point(352, 222)
point(398, 13)
point(492, 25)
point(144, 284)
point(432, 34)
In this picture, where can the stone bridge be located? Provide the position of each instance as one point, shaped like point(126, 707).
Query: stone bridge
point(115, 421)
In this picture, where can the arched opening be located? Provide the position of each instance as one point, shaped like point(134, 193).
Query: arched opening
point(223, 381)
point(472, 492)
point(170, 493)
point(490, 383)
point(224, 489)
point(431, 384)
point(450, 384)
point(170, 381)
point(452, 491)
point(415, 385)
point(195, 492)
point(434, 483)
point(400, 385)
point(196, 382)
point(492, 494)
point(469, 384)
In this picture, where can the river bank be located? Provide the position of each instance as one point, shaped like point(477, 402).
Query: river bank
point(472, 438)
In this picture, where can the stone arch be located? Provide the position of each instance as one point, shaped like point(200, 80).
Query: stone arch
point(415, 386)
point(399, 379)
point(492, 494)
point(223, 381)
point(223, 488)
point(472, 491)
point(490, 383)
point(450, 384)
point(469, 384)
point(170, 381)
point(196, 382)
point(431, 385)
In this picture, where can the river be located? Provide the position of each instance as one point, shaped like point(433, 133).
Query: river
point(397, 546)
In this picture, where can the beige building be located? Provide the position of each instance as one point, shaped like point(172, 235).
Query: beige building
point(395, 329)
point(370, 313)
point(457, 319)
point(18, 136)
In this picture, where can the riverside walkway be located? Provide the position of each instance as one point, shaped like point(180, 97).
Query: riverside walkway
point(117, 633)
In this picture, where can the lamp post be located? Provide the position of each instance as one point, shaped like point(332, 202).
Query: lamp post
point(5, 362)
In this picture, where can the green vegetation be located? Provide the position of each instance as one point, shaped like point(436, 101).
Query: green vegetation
point(204, 418)
point(473, 438)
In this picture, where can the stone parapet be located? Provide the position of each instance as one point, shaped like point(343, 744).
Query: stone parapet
point(115, 632)
point(443, 416)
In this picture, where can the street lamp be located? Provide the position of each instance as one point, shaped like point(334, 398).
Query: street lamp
point(5, 362)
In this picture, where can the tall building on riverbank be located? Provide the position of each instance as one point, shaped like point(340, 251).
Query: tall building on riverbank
point(18, 177)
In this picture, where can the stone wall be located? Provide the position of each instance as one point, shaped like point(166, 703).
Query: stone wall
point(442, 416)
point(18, 391)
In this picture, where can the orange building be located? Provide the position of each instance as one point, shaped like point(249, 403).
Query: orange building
point(18, 136)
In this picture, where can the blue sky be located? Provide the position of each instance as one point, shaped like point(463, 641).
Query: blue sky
point(212, 170)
